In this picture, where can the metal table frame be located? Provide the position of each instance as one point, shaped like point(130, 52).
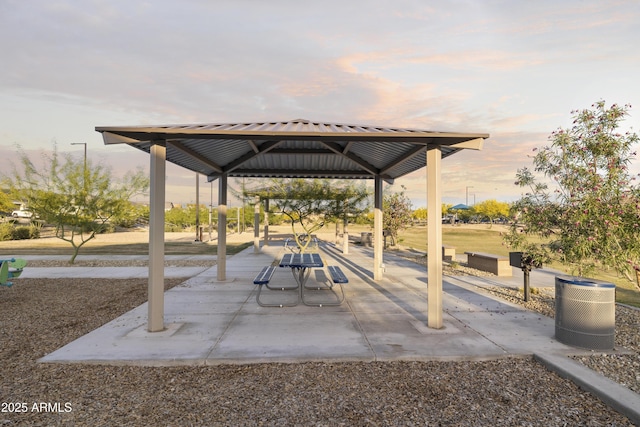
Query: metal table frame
point(301, 266)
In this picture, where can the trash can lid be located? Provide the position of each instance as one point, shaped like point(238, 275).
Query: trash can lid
point(583, 281)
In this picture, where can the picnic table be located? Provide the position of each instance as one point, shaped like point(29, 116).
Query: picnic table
point(301, 265)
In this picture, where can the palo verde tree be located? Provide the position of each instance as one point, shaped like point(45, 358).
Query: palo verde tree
point(587, 213)
point(310, 204)
point(491, 209)
point(6, 204)
point(77, 200)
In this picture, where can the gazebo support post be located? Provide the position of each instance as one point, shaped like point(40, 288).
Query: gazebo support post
point(158, 154)
point(266, 222)
point(345, 235)
point(434, 240)
point(256, 225)
point(377, 229)
point(222, 228)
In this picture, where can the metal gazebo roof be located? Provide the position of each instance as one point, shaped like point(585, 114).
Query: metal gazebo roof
point(296, 148)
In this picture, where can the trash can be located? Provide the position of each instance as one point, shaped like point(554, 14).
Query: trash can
point(585, 312)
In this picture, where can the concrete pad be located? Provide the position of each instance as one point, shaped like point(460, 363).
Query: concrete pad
point(203, 301)
point(395, 337)
point(186, 341)
point(220, 322)
point(284, 337)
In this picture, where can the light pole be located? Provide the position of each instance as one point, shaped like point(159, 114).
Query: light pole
point(85, 152)
point(467, 199)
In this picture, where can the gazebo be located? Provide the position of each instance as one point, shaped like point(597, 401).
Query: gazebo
point(297, 148)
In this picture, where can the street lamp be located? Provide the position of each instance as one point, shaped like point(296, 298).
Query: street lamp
point(85, 152)
point(467, 199)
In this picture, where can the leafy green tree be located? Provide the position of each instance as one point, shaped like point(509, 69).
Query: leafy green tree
point(6, 204)
point(590, 216)
point(134, 213)
point(78, 201)
point(396, 214)
point(420, 214)
point(492, 209)
point(310, 204)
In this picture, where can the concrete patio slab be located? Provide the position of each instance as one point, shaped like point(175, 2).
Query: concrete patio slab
point(211, 321)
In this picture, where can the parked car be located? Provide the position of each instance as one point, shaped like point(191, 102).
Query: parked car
point(21, 214)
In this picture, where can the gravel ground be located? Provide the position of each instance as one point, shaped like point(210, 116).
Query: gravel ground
point(39, 316)
point(621, 368)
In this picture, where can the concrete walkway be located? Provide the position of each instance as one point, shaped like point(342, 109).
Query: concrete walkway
point(109, 272)
point(210, 322)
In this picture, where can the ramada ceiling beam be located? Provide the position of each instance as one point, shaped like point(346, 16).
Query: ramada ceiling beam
point(298, 173)
point(264, 148)
point(336, 148)
point(406, 156)
point(194, 155)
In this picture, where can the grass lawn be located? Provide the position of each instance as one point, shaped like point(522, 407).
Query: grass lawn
point(98, 246)
point(481, 238)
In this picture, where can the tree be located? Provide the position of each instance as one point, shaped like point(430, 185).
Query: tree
point(6, 204)
point(491, 209)
point(590, 217)
point(419, 214)
point(310, 204)
point(396, 214)
point(77, 200)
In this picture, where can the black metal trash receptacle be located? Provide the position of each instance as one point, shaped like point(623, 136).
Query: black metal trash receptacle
point(585, 312)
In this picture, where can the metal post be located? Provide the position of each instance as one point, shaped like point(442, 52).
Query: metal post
point(377, 230)
point(198, 232)
point(256, 226)
point(222, 228)
point(527, 289)
point(266, 222)
point(434, 239)
point(158, 156)
point(211, 214)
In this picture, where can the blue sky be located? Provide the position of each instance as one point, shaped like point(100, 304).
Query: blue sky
point(513, 69)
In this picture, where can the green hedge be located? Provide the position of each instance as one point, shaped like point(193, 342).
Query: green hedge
point(9, 231)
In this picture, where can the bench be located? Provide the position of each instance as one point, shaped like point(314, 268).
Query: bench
point(11, 268)
point(496, 264)
point(262, 279)
point(264, 276)
point(337, 276)
point(448, 253)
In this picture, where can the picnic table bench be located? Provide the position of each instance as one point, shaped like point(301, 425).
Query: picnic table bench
point(9, 269)
point(301, 265)
point(496, 264)
point(337, 276)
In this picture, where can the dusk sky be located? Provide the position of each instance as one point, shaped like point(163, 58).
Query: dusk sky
point(513, 69)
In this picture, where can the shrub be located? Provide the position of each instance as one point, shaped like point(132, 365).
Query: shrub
point(6, 231)
point(25, 232)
